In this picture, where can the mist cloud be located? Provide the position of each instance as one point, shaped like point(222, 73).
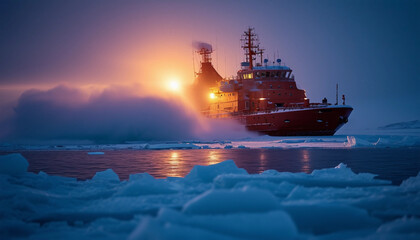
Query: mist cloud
point(68, 113)
point(200, 45)
point(111, 116)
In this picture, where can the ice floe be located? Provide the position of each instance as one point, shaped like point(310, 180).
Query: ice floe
point(337, 141)
point(218, 201)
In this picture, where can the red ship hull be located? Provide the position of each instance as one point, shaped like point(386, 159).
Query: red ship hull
point(300, 122)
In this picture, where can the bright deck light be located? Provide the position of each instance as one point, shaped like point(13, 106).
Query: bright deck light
point(212, 96)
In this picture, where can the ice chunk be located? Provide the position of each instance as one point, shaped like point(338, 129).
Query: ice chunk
point(353, 141)
point(13, 164)
point(162, 146)
point(330, 177)
point(223, 201)
point(144, 186)
point(402, 225)
point(208, 173)
point(268, 225)
point(153, 229)
point(95, 153)
point(382, 141)
point(292, 141)
point(342, 176)
point(107, 175)
point(220, 201)
point(140, 176)
point(325, 218)
point(10, 228)
point(412, 184)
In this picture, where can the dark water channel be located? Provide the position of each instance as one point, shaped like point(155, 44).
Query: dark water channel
point(394, 164)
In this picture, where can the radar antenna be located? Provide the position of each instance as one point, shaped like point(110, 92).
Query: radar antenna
point(251, 46)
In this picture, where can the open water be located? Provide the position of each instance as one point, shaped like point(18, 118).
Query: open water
point(395, 164)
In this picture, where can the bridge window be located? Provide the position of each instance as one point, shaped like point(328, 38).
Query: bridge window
point(283, 74)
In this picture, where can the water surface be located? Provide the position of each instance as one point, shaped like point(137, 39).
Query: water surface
point(395, 164)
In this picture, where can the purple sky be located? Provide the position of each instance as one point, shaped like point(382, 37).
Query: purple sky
point(371, 48)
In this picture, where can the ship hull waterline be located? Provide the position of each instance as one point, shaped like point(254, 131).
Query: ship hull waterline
point(301, 122)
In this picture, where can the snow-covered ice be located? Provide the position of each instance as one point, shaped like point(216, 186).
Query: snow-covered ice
point(95, 153)
point(376, 139)
point(218, 201)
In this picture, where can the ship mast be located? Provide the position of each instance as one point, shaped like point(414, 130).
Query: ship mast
point(249, 44)
point(205, 55)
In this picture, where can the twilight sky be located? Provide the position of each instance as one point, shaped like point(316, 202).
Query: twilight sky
point(371, 48)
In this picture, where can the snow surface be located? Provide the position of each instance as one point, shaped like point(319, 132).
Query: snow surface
point(396, 139)
point(219, 201)
point(95, 153)
point(402, 125)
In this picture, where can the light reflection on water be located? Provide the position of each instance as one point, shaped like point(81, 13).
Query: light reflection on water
point(394, 163)
point(213, 158)
point(263, 162)
point(174, 165)
point(306, 167)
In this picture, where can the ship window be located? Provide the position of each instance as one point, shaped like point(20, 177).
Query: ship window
point(271, 86)
point(277, 74)
point(267, 74)
point(257, 74)
point(279, 94)
point(287, 121)
point(283, 74)
point(279, 104)
point(248, 75)
point(263, 74)
point(290, 86)
point(272, 74)
point(278, 86)
point(290, 94)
